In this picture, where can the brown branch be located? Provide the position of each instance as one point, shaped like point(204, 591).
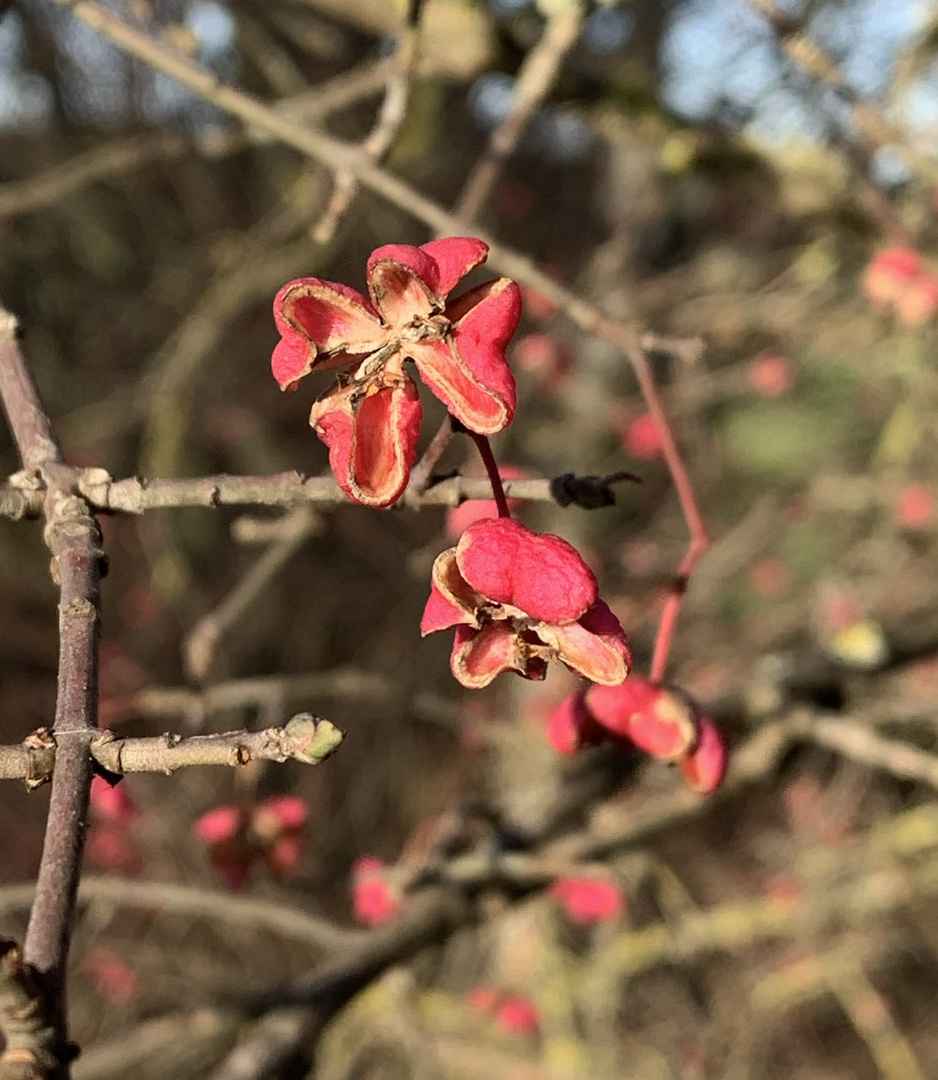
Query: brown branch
point(31, 429)
point(305, 738)
point(71, 534)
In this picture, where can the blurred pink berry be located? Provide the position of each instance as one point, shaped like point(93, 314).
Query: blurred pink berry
point(110, 844)
point(373, 900)
point(517, 1015)
point(114, 980)
point(108, 847)
point(542, 355)
point(915, 507)
point(770, 577)
point(655, 719)
point(705, 766)
point(642, 438)
point(111, 802)
point(282, 813)
point(536, 304)
point(483, 999)
point(283, 856)
point(770, 375)
point(918, 302)
point(218, 825)
point(571, 726)
point(888, 274)
point(238, 837)
point(275, 832)
point(588, 900)
point(784, 888)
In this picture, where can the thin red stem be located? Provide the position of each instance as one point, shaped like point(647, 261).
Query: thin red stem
point(699, 540)
point(491, 467)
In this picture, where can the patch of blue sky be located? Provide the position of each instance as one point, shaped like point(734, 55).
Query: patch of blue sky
point(722, 52)
point(25, 98)
point(97, 84)
point(920, 105)
point(213, 26)
point(866, 38)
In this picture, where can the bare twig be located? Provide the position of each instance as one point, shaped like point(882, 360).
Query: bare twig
point(856, 742)
point(201, 644)
point(136, 495)
point(422, 472)
point(305, 738)
point(263, 695)
point(183, 1043)
point(872, 1019)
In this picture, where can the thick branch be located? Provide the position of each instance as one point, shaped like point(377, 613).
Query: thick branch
point(72, 536)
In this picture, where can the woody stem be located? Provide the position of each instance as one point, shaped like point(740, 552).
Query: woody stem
point(491, 467)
